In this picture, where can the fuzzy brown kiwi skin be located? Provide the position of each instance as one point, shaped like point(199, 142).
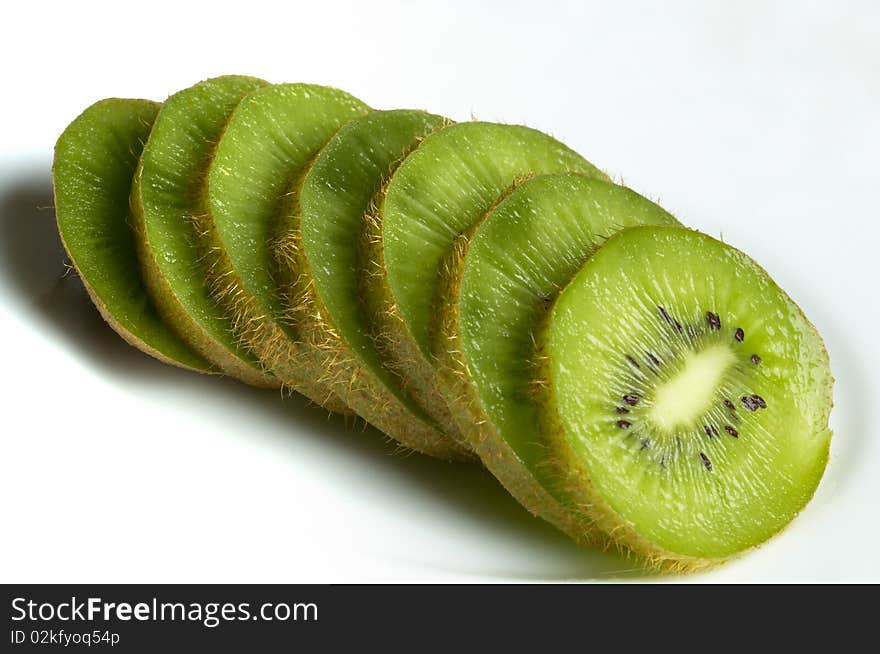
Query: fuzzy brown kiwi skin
point(388, 330)
point(467, 409)
point(116, 326)
point(290, 362)
point(126, 335)
point(356, 384)
point(575, 480)
point(391, 335)
point(266, 340)
point(174, 314)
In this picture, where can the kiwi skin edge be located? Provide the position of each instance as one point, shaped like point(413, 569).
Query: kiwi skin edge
point(492, 448)
point(165, 296)
point(524, 251)
point(337, 222)
point(259, 334)
point(174, 313)
point(276, 351)
point(103, 114)
point(352, 381)
point(447, 362)
point(263, 336)
point(490, 445)
point(268, 141)
point(405, 338)
point(391, 336)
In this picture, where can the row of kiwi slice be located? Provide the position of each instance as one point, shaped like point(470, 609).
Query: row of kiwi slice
point(474, 290)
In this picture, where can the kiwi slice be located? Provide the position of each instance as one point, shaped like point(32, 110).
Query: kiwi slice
point(519, 259)
point(95, 160)
point(425, 217)
point(692, 397)
point(336, 203)
point(445, 188)
point(169, 204)
point(254, 181)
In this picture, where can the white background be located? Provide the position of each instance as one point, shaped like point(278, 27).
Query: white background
point(755, 120)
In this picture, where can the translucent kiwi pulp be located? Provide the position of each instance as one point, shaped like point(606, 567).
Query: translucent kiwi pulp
point(95, 161)
point(269, 143)
point(336, 207)
point(519, 259)
point(169, 205)
point(692, 397)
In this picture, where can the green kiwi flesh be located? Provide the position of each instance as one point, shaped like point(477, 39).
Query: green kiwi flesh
point(692, 396)
point(441, 191)
point(427, 212)
point(168, 201)
point(336, 200)
point(519, 259)
point(254, 180)
point(95, 161)
point(336, 203)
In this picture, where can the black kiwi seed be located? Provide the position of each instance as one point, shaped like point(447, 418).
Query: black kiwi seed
point(633, 361)
point(646, 443)
point(730, 405)
point(739, 334)
point(750, 403)
point(730, 430)
point(621, 409)
point(756, 359)
point(713, 320)
point(624, 424)
point(653, 359)
point(631, 398)
point(664, 315)
point(706, 462)
point(759, 401)
point(711, 431)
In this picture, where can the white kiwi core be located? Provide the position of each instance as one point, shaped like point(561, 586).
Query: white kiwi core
point(690, 392)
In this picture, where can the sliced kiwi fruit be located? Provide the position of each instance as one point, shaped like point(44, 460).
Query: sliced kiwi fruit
point(519, 259)
point(336, 205)
point(692, 397)
point(472, 290)
point(441, 191)
point(254, 180)
point(426, 214)
point(95, 161)
point(169, 203)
